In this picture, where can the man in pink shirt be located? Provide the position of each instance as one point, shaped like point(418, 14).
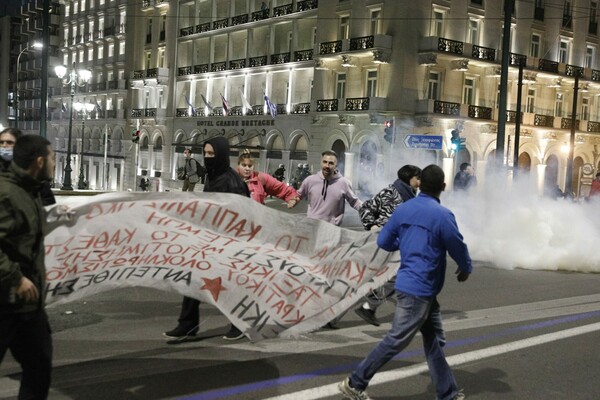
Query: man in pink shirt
point(327, 191)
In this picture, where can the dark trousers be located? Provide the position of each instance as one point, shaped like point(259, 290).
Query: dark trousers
point(189, 317)
point(29, 339)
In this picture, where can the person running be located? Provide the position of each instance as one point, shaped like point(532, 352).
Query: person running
point(374, 213)
point(220, 178)
point(423, 231)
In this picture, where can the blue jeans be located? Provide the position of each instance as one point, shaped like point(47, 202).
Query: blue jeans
point(413, 314)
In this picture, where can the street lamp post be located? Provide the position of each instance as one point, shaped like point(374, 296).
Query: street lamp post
point(75, 78)
point(35, 45)
point(86, 109)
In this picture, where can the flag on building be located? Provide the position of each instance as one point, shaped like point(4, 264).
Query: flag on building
point(245, 101)
point(225, 104)
point(210, 107)
point(63, 107)
point(193, 109)
point(271, 108)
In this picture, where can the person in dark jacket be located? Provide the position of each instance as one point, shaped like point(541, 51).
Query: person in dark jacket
point(465, 179)
point(374, 213)
point(221, 178)
point(24, 327)
point(8, 138)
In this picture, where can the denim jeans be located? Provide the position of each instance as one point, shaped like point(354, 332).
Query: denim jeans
point(413, 314)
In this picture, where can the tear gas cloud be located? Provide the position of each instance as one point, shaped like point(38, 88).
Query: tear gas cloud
point(508, 224)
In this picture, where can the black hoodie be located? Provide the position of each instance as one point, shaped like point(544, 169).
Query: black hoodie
point(220, 177)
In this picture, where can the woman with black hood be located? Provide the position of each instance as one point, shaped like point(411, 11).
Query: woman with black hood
point(374, 213)
point(220, 178)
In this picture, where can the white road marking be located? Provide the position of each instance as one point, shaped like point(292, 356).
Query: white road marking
point(458, 359)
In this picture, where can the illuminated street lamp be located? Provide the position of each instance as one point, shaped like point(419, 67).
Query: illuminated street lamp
point(85, 109)
point(73, 79)
point(35, 45)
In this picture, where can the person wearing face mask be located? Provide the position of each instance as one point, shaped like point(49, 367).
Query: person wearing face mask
point(221, 178)
point(8, 139)
point(262, 185)
point(327, 191)
point(24, 327)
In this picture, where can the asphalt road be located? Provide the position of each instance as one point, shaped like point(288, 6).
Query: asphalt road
point(511, 335)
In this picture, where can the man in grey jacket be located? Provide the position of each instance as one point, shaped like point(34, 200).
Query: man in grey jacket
point(24, 327)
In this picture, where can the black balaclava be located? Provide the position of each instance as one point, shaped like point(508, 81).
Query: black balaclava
point(219, 164)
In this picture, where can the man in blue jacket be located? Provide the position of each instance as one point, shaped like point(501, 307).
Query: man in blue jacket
point(423, 230)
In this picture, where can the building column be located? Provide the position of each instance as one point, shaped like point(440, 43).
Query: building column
point(541, 177)
point(448, 167)
point(350, 166)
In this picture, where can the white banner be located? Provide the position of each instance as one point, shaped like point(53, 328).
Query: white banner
point(269, 272)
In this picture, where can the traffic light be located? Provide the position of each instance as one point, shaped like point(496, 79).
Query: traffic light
point(458, 143)
point(389, 131)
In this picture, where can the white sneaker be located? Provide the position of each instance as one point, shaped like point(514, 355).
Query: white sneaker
point(350, 393)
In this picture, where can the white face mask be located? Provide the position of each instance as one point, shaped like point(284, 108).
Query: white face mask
point(6, 153)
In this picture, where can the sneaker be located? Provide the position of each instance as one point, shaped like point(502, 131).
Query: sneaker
point(459, 396)
point(233, 334)
point(350, 393)
point(180, 333)
point(367, 315)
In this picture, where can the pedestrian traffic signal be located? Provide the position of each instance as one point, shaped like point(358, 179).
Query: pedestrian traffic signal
point(389, 131)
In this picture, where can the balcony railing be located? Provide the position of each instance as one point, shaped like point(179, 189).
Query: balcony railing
point(258, 110)
point(543, 120)
point(301, 108)
point(360, 43)
point(548, 65)
point(327, 105)
point(450, 46)
point(565, 123)
point(182, 71)
point(260, 15)
point(239, 19)
point(283, 10)
point(307, 5)
point(517, 59)
point(593, 126)
point(182, 112)
point(483, 53)
point(446, 107)
point(136, 113)
point(201, 69)
point(237, 64)
point(237, 111)
point(258, 61)
point(150, 112)
point(573, 70)
point(280, 58)
point(330, 47)
point(479, 112)
point(222, 23)
point(281, 109)
point(511, 116)
point(139, 74)
point(303, 55)
point(200, 28)
point(357, 104)
point(218, 66)
point(595, 75)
